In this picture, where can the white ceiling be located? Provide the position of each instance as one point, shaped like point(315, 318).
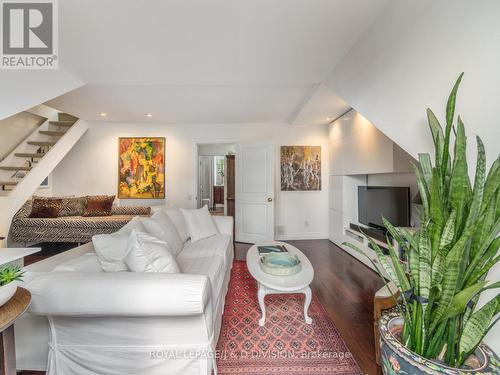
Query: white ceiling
point(202, 61)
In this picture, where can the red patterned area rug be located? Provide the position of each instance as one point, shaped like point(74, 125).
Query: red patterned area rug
point(285, 344)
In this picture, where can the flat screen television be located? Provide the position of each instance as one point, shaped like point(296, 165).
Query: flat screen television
point(391, 202)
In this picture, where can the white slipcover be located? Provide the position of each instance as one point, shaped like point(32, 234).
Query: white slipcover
point(126, 323)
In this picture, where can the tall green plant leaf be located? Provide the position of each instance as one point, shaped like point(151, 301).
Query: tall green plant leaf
point(424, 192)
point(477, 194)
point(436, 210)
point(476, 328)
point(459, 189)
point(437, 136)
point(492, 184)
point(462, 298)
point(450, 280)
point(426, 166)
point(450, 113)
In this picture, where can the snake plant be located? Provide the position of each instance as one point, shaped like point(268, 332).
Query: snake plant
point(450, 255)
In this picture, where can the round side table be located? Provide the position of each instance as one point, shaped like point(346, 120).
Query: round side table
point(9, 312)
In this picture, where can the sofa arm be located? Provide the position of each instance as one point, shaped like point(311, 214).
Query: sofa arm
point(225, 224)
point(119, 294)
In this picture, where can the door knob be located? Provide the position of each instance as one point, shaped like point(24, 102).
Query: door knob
point(269, 199)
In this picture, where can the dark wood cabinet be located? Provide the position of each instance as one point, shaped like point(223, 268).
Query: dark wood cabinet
point(230, 184)
point(218, 195)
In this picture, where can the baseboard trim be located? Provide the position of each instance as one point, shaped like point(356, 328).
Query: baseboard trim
point(301, 236)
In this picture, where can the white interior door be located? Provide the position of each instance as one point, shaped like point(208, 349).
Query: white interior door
point(254, 191)
point(205, 180)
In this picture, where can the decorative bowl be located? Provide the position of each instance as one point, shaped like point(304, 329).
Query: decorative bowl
point(7, 291)
point(280, 264)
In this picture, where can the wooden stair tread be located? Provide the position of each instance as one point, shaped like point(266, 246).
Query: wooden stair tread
point(51, 133)
point(66, 117)
point(41, 143)
point(62, 123)
point(8, 183)
point(29, 155)
point(14, 168)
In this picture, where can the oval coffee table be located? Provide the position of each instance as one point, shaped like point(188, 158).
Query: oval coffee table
point(269, 284)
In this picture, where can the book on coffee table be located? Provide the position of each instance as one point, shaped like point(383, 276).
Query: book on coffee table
point(272, 249)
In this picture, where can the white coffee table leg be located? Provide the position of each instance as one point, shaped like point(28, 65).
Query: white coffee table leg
point(261, 294)
point(307, 302)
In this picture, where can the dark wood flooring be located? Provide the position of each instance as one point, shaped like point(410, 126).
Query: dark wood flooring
point(346, 288)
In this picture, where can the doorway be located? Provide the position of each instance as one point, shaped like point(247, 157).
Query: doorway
point(216, 173)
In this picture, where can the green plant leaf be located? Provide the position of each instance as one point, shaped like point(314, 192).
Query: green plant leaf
point(476, 328)
point(437, 136)
point(459, 182)
point(426, 167)
point(450, 113)
point(436, 210)
point(424, 191)
point(10, 273)
point(479, 181)
point(451, 275)
point(462, 298)
point(492, 184)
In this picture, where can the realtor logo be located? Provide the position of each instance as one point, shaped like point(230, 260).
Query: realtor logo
point(29, 34)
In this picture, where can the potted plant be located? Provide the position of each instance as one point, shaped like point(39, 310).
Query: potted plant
point(8, 276)
point(439, 327)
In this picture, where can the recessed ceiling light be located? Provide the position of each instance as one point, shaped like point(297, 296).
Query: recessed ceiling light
point(103, 114)
point(149, 115)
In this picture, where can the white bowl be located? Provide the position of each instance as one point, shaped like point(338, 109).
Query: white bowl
point(7, 291)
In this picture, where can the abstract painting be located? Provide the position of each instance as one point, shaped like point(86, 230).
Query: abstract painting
point(141, 168)
point(300, 168)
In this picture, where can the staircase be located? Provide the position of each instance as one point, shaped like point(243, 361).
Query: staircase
point(14, 169)
point(25, 168)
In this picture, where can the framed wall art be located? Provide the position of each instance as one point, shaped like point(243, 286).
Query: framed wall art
point(300, 168)
point(141, 168)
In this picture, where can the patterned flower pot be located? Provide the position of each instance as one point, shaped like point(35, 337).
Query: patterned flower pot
point(396, 359)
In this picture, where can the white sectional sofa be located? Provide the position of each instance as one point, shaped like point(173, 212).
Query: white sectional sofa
point(84, 321)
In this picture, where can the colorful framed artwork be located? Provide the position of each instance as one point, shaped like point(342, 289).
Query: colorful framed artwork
point(300, 168)
point(141, 168)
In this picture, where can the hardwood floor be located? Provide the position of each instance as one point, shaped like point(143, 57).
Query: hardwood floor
point(345, 287)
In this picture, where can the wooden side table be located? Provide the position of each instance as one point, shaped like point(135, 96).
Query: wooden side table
point(9, 312)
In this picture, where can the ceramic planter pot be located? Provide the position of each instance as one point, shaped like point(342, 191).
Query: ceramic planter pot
point(396, 359)
point(7, 291)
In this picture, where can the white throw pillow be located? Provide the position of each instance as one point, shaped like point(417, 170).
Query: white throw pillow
point(160, 226)
point(146, 253)
point(111, 250)
point(135, 223)
point(180, 224)
point(200, 223)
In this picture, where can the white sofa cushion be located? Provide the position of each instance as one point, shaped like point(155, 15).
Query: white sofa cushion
point(180, 224)
point(160, 226)
point(199, 223)
point(212, 267)
point(85, 263)
point(135, 223)
point(111, 250)
point(219, 245)
point(146, 253)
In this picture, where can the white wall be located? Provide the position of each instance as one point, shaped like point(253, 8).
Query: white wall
point(216, 149)
point(410, 59)
point(28, 88)
point(91, 167)
point(16, 128)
